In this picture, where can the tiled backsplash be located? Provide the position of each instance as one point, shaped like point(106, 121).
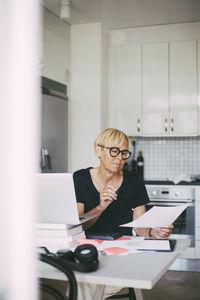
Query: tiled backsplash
point(165, 158)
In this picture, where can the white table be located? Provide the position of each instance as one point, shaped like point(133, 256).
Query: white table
point(136, 270)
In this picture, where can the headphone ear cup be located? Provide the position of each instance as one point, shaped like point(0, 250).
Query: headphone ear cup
point(86, 253)
point(69, 255)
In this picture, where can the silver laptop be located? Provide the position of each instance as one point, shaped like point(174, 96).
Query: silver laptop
point(57, 199)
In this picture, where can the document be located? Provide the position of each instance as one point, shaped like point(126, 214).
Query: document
point(157, 217)
point(134, 245)
point(127, 245)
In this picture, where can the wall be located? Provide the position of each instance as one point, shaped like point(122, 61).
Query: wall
point(86, 93)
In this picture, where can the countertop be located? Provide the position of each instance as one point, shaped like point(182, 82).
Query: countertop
point(160, 182)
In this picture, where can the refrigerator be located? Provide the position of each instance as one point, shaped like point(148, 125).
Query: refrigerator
point(54, 127)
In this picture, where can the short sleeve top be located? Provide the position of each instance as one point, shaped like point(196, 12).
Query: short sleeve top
point(131, 194)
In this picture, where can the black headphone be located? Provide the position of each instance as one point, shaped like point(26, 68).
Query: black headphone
point(83, 259)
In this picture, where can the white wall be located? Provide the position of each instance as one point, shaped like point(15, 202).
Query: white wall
point(86, 93)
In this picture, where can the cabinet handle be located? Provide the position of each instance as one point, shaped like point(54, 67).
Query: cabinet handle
point(172, 124)
point(138, 125)
point(166, 124)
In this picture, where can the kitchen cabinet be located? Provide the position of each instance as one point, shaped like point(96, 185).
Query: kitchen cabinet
point(183, 118)
point(197, 222)
point(155, 87)
point(170, 89)
point(124, 110)
point(55, 57)
point(198, 59)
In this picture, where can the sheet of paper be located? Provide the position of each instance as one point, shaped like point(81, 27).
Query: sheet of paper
point(124, 247)
point(157, 216)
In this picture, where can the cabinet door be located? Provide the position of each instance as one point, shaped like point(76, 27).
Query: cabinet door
point(155, 86)
point(183, 88)
point(198, 59)
point(125, 89)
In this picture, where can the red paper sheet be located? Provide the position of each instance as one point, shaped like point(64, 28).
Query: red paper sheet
point(91, 242)
point(115, 250)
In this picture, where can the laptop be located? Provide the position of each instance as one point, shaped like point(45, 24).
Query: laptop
point(57, 200)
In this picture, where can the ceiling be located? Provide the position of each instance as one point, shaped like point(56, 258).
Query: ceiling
point(128, 13)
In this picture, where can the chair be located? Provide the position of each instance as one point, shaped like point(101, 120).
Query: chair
point(130, 295)
point(51, 291)
point(57, 263)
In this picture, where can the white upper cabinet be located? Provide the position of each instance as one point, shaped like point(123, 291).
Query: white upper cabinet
point(153, 83)
point(198, 47)
point(170, 89)
point(155, 89)
point(125, 89)
point(183, 88)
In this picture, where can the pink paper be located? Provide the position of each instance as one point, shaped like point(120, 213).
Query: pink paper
point(115, 250)
point(91, 242)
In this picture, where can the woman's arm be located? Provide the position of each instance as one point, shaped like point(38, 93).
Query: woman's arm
point(106, 197)
point(96, 211)
point(138, 212)
point(160, 233)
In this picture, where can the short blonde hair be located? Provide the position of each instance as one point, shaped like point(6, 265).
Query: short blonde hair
point(112, 137)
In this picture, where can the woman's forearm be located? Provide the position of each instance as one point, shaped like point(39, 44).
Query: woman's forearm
point(146, 232)
point(95, 211)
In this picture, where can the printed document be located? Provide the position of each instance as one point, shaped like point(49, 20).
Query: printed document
point(157, 217)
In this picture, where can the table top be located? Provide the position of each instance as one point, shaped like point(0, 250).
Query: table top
point(138, 270)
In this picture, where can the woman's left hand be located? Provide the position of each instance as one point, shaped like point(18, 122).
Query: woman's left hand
point(161, 233)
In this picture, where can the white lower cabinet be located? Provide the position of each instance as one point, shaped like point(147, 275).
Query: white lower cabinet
point(197, 249)
point(197, 223)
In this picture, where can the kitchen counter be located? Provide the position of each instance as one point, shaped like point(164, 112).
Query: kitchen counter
point(160, 182)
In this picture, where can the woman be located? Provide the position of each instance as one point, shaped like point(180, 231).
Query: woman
point(114, 195)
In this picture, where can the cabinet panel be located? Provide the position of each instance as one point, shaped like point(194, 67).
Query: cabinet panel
point(198, 59)
point(125, 89)
point(183, 88)
point(197, 234)
point(56, 56)
point(197, 208)
point(197, 219)
point(155, 89)
point(197, 249)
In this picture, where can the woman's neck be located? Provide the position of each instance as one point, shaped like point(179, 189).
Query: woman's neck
point(102, 177)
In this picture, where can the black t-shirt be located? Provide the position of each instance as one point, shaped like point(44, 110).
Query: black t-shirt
point(131, 194)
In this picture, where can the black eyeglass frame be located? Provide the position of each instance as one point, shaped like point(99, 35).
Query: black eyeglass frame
point(123, 152)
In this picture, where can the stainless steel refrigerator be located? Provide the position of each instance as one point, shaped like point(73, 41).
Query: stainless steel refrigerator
point(54, 126)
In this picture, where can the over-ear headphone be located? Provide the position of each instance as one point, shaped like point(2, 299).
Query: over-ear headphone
point(83, 259)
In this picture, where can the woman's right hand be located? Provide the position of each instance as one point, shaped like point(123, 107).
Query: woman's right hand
point(107, 196)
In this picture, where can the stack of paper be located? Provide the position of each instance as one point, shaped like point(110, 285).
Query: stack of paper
point(58, 235)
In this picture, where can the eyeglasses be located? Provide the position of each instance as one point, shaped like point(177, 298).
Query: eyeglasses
point(115, 151)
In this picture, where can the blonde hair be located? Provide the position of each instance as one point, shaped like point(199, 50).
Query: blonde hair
point(111, 137)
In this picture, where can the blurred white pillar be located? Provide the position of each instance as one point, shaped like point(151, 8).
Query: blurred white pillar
point(19, 98)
